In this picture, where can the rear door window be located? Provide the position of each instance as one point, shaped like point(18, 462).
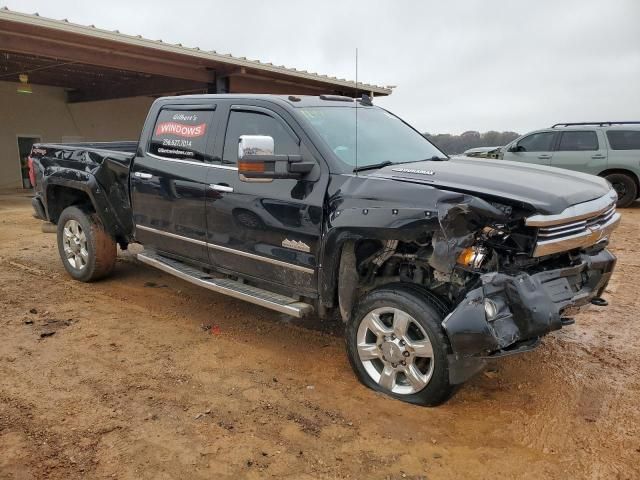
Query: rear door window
point(578, 141)
point(181, 134)
point(624, 139)
point(537, 142)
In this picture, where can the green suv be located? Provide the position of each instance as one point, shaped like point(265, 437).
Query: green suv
point(608, 149)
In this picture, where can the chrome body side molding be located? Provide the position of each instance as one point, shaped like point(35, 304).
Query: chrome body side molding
point(253, 256)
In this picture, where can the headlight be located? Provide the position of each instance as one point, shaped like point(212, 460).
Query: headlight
point(472, 257)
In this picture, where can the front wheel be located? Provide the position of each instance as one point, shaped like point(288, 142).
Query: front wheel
point(87, 251)
point(396, 345)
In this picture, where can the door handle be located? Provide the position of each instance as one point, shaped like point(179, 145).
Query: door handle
point(598, 156)
point(142, 175)
point(544, 157)
point(221, 188)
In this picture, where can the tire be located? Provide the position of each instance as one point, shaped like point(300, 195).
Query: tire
point(375, 357)
point(87, 251)
point(626, 188)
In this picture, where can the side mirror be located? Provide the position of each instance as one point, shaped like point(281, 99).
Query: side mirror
point(515, 148)
point(258, 163)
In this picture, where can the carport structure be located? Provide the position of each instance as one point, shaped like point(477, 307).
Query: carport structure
point(71, 64)
point(97, 64)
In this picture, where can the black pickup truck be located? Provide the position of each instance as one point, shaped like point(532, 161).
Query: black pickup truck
point(435, 264)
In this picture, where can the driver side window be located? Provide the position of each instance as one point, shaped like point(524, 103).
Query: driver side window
point(256, 123)
point(537, 142)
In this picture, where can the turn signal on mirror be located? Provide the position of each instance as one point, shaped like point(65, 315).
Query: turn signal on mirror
point(251, 167)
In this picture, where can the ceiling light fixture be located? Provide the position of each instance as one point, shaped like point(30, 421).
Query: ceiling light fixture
point(24, 86)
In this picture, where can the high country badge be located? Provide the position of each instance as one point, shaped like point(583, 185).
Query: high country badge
point(296, 245)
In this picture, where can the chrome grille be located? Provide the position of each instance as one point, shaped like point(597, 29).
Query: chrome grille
point(579, 226)
point(573, 228)
point(603, 218)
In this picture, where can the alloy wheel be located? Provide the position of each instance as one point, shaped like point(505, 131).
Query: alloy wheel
point(395, 350)
point(75, 245)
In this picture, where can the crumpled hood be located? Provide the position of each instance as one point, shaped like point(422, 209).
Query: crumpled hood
point(548, 190)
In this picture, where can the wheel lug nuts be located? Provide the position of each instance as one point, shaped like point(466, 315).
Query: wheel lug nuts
point(394, 365)
point(403, 343)
point(393, 337)
point(403, 362)
point(406, 354)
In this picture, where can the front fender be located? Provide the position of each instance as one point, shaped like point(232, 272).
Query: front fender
point(448, 218)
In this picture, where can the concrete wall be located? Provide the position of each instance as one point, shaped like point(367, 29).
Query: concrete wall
point(45, 114)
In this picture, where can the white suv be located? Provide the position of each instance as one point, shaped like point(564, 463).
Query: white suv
point(607, 149)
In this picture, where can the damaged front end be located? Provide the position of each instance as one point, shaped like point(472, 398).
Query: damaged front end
point(504, 274)
point(522, 294)
point(508, 314)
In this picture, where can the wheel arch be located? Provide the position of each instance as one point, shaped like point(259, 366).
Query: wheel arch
point(622, 171)
point(333, 251)
point(61, 192)
point(60, 196)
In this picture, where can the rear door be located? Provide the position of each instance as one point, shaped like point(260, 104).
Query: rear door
point(580, 150)
point(168, 181)
point(268, 230)
point(533, 148)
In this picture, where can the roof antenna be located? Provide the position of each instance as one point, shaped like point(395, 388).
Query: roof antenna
point(356, 100)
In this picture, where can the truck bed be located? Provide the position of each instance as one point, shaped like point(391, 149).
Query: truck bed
point(100, 170)
point(119, 146)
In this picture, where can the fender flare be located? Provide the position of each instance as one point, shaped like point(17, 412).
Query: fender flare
point(86, 182)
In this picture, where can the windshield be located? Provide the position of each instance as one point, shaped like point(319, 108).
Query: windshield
point(382, 137)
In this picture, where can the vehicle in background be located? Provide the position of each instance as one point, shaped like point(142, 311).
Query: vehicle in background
point(482, 152)
point(607, 149)
point(435, 264)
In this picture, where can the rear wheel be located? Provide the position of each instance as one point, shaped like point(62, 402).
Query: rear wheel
point(625, 187)
point(87, 251)
point(396, 345)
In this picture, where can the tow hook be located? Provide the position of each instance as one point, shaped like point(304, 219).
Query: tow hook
point(599, 302)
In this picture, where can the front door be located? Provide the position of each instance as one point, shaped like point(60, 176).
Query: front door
point(534, 148)
point(168, 180)
point(264, 230)
point(580, 150)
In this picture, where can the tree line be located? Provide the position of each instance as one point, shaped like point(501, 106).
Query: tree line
point(454, 144)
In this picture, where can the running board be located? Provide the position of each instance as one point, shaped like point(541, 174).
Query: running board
point(226, 286)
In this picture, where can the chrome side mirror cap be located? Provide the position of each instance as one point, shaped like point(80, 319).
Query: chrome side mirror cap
point(257, 161)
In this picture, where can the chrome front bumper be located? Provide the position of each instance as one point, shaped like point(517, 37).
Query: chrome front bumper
point(578, 226)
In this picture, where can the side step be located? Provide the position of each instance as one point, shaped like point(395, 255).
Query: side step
point(226, 286)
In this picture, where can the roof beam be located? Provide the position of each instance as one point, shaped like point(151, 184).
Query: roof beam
point(100, 56)
point(258, 84)
point(153, 87)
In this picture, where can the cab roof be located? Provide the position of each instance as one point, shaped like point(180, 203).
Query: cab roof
point(296, 101)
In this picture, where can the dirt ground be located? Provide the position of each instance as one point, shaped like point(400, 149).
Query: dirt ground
point(145, 376)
